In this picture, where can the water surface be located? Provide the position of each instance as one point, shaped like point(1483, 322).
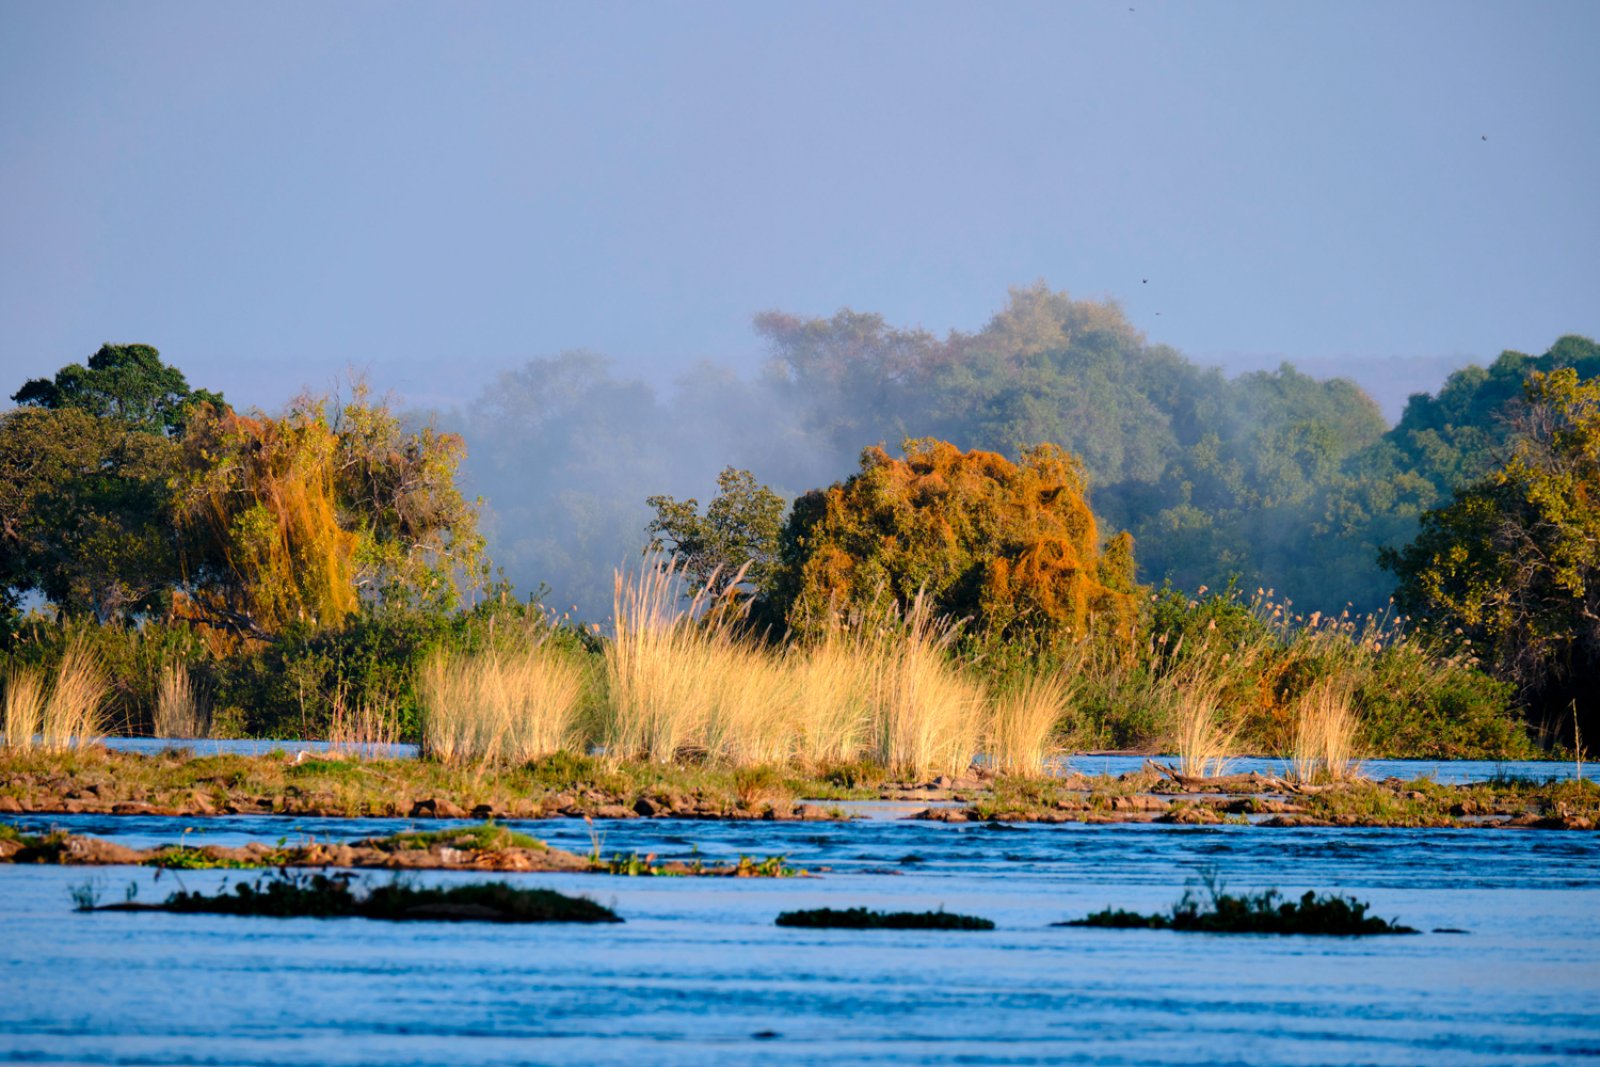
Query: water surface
point(699, 975)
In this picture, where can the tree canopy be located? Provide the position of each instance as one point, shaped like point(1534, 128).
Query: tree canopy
point(125, 383)
point(1513, 561)
point(1014, 547)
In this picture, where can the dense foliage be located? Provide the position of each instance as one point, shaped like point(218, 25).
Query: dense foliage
point(1012, 547)
point(1283, 481)
point(1513, 561)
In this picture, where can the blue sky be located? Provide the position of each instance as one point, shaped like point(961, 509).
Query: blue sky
point(436, 192)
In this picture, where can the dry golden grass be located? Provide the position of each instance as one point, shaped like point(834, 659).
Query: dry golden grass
point(75, 711)
point(1193, 689)
point(1024, 721)
point(835, 682)
point(369, 728)
point(659, 663)
point(926, 713)
point(181, 709)
point(24, 708)
point(1325, 728)
point(500, 706)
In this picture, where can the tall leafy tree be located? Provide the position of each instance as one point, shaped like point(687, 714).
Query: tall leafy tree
point(85, 513)
point(736, 536)
point(1513, 561)
point(125, 383)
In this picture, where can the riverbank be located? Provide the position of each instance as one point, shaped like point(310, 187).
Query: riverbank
point(173, 783)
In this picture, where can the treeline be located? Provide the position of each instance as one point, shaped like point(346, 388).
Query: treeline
point(1064, 497)
point(1271, 478)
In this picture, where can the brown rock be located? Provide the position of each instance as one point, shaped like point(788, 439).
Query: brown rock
point(615, 811)
point(133, 807)
point(436, 808)
point(91, 850)
point(10, 806)
point(483, 811)
point(647, 807)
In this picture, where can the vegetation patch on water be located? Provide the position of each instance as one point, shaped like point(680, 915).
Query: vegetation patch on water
point(321, 896)
point(867, 919)
point(1266, 912)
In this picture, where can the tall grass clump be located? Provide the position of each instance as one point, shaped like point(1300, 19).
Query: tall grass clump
point(1325, 730)
point(500, 705)
point(1024, 720)
point(659, 696)
point(368, 727)
point(835, 683)
point(24, 708)
point(1194, 688)
point(182, 709)
point(926, 714)
point(75, 710)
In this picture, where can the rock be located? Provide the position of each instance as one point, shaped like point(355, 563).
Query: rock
point(615, 811)
point(484, 812)
point(1190, 817)
point(436, 808)
point(1139, 802)
point(944, 781)
point(133, 807)
point(10, 805)
point(648, 808)
point(91, 850)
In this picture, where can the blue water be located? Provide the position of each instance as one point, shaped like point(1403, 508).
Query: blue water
point(698, 970)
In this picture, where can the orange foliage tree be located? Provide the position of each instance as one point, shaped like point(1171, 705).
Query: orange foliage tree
point(1012, 546)
point(256, 504)
point(299, 520)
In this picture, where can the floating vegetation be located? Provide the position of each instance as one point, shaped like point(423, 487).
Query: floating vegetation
point(1267, 912)
point(866, 919)
point(634, 865)
point(283, 895)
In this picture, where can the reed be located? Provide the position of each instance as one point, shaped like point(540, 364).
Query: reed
point(1325, 728)
point(753, 716)
point(502, 706)
point(926, 712)
point(1024, 721)
point(182, 709)
point(24, 708)
point(835, 682)
point(368, 728)
point(658, 667)
point(1193, 690)
point(75, 711)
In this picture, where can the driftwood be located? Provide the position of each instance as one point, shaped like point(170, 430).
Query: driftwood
point(1225, 782)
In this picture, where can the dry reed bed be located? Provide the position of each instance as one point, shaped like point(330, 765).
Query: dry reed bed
point(70, 710)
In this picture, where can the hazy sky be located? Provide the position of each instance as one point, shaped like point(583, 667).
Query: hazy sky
point(268, 192)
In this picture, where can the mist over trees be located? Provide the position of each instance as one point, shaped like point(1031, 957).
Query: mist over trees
point(1272, 477)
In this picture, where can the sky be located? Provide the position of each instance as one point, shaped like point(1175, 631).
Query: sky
point(271, 193)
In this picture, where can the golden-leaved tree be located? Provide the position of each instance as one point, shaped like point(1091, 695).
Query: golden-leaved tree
point(299, 519)
point(1014, 547)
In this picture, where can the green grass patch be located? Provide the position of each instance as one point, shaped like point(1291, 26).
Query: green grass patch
point(285, 895)
point(1266, 912)
point(483, 837)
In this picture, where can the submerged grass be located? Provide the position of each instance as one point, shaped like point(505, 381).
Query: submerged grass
point(866, 919)
point(1266, 912)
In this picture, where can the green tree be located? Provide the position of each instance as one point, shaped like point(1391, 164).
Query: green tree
point(1513, 561)
point(85, 515)
point(737, 535)
point(125, 383)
